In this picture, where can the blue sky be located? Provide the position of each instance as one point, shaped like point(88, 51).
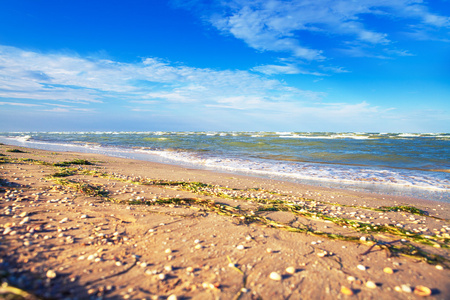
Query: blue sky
point(273, 65)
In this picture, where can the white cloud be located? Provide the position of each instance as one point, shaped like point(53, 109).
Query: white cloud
point(83, 81)
point(278, 25)
point(18, 104)
point(284, 69)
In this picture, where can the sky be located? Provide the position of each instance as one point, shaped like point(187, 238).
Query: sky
point(236, 65)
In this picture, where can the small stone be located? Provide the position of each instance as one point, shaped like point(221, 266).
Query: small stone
point(269, 250)
point(398, 289)
point(439, 267)
point(388, 270)
point(351, 278)
point(346, 291)
point(118, 263)
point(51, 274)
point(240, 247)
point(371, 285)
point(83, 216)
point(64, 220)
point(172, 297)
point(168, 250)
point(198, 246)
point(421, 290)
point(290, 270)
point(275, 276)
point(190, 269)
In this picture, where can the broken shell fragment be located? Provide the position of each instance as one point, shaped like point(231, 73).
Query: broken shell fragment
point(421, 290)
point(371, 285)
point(346, 291)
point(275, 276)
point(290, 270)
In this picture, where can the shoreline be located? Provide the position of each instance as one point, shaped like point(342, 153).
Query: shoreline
point(413, 192)
point(119, 228)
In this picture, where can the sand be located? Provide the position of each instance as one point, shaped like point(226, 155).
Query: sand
point(127, 229)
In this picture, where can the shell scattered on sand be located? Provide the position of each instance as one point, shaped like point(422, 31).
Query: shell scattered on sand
point(421, 290)
point(388, 270)
point(290, 270)
point(346, 291)
point(275, 276)
point(361, 267)
point(371, 285)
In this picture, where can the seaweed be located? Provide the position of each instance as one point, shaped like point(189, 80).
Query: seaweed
point(73, 162)
point(15, 151)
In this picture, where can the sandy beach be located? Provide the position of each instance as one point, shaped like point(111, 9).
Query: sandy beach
point(87, 226)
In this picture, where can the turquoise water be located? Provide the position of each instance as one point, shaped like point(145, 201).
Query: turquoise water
point(415, 165)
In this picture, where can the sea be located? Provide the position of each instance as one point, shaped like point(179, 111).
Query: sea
point(406, 164)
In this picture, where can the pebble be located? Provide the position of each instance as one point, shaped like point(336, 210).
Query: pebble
point(84, 216)
point(172, 297)
point(371, 285)
point(439, 267)
point(198, 246)
point(275, 276)
point(240, 247)
point(64, 220)
point(388, 270)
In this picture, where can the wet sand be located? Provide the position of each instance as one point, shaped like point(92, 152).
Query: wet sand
point(126, 229)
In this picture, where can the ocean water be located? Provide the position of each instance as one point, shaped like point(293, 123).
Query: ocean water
point(416, 165)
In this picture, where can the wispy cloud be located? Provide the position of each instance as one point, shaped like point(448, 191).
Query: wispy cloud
point(278, 25)
point(79, 81)
point(19, 104)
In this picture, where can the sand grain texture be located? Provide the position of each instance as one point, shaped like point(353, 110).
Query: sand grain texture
point(95, 232)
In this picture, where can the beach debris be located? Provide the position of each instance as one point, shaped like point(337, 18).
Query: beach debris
point(371, 285)
point(388, 270)
point(168, 250)
point(275, 276)
point(269, 250)
point(439, 267)
point(421, 290)
point(172, 297)
point(290, 270)
point(346, 291)
point(240, 247)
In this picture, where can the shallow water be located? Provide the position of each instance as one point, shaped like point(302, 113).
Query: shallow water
point(415, 165)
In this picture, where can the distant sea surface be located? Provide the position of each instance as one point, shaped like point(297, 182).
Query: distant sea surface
point(415, 165)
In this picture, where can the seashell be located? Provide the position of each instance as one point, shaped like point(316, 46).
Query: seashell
point(439, 267)
point(422, 291)
point(361, 267)
point(240, 247)
point(290, 270)
point(198, 246)
point(50, 274)
point(275, 276)
point(346, 291)
point(190, 269)
point(168, 250)
point(64, 220)
point(406, 288)
point(161, 276)
point(388, 270)
point(371, 285)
